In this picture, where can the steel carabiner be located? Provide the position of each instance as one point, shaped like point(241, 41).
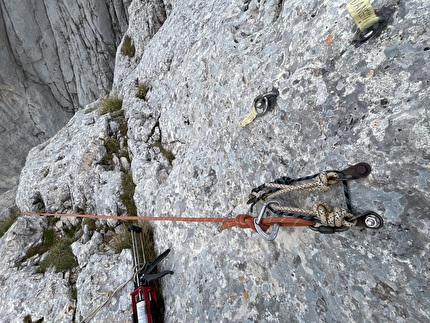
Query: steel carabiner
point(274, 233)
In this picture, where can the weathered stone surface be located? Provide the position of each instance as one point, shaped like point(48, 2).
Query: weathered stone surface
point(26, 123)
point(101, 273)
point(70, 174)
point(338, 105)
point(55, 58)
point(66, 47)
point(7, 202)
point(147, 17)
point(26, 291)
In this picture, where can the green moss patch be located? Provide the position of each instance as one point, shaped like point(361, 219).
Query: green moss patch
point(142, 91)
point(110, 104)
point(55, 248)
point(60, 257)
point(127, 197)
point(6, 223)
point(127, 47)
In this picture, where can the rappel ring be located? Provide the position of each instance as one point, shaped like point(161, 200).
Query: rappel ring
point(265, 102)
point(261, 104)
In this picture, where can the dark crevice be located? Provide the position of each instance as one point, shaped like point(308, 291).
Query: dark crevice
point(278, 9)
point(9, 43)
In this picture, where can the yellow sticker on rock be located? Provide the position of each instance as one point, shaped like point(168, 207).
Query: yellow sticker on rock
point(249, 118)
point(362, 13)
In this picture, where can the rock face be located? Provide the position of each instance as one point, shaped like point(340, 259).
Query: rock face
point(339, 104)
point(54, 59)
point(24, 285)
point(73, 170)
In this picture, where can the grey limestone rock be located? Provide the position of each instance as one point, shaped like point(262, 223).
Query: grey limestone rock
point(55, 58)
point(101, 273)
point(70, 172)
point(28, 292)
point(338, 105)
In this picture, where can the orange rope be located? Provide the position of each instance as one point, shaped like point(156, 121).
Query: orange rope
point(241, 220)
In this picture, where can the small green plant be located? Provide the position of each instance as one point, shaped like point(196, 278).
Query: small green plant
point(121, 240)
point(168, 154)
point(127, 47)
point(110, 104)
point(90, 223)
point(46, 172)
point(74, 293)
point(59, 254)
point(48, 241)
point(127, 197)
point(124, 153)
point(148, 240)
point(6, 223)
point(142, 91)
point(89, 110)
point(112, 147)
point(80, 210)
point(60, 257)
point(120, 118)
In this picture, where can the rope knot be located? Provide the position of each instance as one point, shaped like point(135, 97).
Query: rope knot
point(322, 211)
point(242, 221)
point(322, 182)
point(333, 218)
point(325, 179)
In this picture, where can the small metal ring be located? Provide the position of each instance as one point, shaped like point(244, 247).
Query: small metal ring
point(261, 104)
point(373, 221)
point(369, 30)
point(370, 220)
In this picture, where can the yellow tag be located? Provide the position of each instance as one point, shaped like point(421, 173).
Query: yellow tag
point(362, 13)
point(249, 118)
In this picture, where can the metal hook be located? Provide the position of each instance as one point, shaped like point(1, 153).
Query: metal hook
point(265, 102)
point(261, 105)
point(356, 171)
point(274, 233)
